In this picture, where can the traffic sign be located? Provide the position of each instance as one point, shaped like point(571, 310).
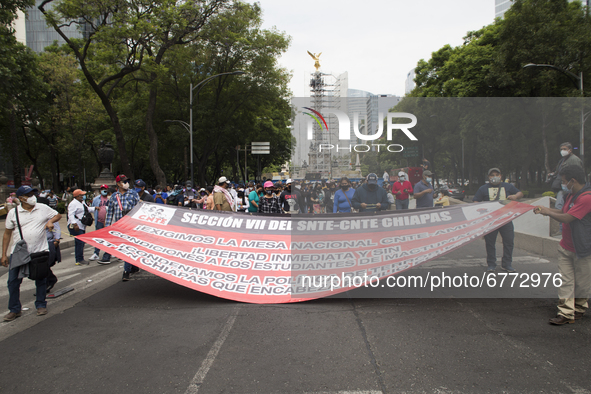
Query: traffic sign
point(260, 148)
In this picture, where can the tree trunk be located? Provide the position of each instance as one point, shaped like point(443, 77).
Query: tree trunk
point(16, 164)
point(153, 137)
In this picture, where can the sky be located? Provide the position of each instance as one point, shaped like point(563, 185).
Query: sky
point(376, 41)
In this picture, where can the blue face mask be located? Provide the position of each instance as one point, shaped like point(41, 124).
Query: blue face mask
point(429, 180)
point(84, 197)
point(104, 192)
point(565, 188)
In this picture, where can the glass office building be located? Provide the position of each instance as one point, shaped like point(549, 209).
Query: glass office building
point(39, 35)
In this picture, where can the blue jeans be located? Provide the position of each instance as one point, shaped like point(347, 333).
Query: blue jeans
point(508, 235)
point(14, 287)
point(78, 245)
point(402, 204)
point(106, 256)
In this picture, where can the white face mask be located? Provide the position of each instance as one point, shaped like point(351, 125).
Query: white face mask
point(563, 152)
point(125, 186)
point(32, 200)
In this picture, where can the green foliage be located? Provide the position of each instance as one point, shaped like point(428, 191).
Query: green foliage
point(549, 194)
point(490, 64)
point(61, 207)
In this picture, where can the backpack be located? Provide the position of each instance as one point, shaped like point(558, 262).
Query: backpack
point(87, 218)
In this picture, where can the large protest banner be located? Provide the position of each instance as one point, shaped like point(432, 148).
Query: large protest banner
point(279, 259)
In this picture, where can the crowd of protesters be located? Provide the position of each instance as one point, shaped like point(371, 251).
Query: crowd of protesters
point(40, 226)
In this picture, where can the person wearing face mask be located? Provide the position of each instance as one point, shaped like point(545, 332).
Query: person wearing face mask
point(423, 191)
point(290, 199)
point(401, 190)
point(34, 219)
point(269, 202)
point(370, 197)
point(254, 198)
point(568, 159)
point(160, 196)
point(119, 205)
point(343, 196)
point(76, 210)
point(574, 251)
point(100, 204)
point(496, 190)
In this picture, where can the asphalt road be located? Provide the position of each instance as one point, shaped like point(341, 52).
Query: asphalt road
point(152, 336)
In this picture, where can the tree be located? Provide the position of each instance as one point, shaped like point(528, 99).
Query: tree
point(123, 38)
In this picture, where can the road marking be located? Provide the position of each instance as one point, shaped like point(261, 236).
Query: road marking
point(58, 305)
point(346, 392)
point(213, 352)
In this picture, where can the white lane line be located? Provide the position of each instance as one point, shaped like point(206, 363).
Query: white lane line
point(347, 392)
point(213, 352)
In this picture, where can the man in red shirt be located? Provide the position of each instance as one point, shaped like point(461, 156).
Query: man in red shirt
point(401, 190)
point(574, 261)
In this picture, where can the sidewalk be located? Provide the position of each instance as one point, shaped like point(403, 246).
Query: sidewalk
point(67, 239)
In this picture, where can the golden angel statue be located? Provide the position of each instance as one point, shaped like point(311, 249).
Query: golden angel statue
point(316, 58)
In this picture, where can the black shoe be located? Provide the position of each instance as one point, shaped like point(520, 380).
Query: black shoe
point(49, 287)
point(125, 276)
point(134, 269)
point(560, 320)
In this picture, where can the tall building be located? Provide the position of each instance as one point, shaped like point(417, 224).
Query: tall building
point(32, 30)
point(410, 84)
point(501, 6)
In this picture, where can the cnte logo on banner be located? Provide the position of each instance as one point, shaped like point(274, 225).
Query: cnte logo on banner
point(345, 127)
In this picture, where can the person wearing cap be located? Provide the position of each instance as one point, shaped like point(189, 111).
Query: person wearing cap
point(290, 199)
point(270, 202)
point(76, 210)
point(34, 219)
point(423, 191)
point(100, 204)
point(402, 189)
point(119, 205)
point(140, 189)
point(495, 190)
point(222, 198)
point(370, 197)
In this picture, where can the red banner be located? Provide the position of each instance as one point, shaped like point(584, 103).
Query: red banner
point(277, 259)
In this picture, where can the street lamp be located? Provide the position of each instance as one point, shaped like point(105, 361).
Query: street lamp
point(577, 80)
point(200, 85)
point(188, 128)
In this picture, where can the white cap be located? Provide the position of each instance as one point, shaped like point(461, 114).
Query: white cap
point(401, 173)
point(287, 182)
point(223, 179)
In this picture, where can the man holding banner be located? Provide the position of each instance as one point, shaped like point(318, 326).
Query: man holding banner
point(495, 190)
point(574, 261)
point(370, 197)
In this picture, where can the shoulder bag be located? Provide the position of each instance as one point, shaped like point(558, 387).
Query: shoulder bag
point(38, 262)
point(87, 218)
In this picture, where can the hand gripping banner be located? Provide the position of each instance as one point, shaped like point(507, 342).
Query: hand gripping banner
point(277, 259)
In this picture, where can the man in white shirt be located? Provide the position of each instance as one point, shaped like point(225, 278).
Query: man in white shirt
point(76, 211)
point(33, 219)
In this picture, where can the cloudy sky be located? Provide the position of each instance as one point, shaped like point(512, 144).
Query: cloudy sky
point(376, 41)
